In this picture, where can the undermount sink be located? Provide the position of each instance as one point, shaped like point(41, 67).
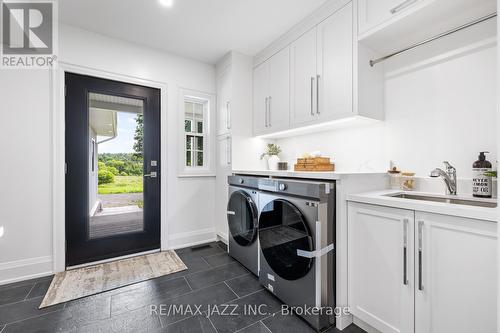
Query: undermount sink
point(455, 201)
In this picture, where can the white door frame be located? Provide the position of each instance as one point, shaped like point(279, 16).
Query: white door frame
point(57, 86)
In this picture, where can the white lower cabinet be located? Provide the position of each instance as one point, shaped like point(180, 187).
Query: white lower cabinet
point(450, 264)
point(381, 266)
point(456, 282)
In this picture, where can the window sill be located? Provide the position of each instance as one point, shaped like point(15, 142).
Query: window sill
point(195, 175)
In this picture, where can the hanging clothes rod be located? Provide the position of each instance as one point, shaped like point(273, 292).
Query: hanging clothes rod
point(449, 32)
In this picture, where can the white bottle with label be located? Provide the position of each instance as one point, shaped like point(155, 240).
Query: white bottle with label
point(481, 183)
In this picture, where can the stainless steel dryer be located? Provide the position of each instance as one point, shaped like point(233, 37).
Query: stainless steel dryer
point(297, 236)
point(242, 218)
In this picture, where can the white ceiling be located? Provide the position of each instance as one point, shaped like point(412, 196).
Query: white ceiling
point(198, 29)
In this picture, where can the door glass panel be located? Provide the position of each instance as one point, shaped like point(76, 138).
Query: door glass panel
point(242, 218)
point(283, 231)
point(116, 166)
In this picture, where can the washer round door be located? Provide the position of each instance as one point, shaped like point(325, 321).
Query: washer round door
point(282, 231)
point(242, 218)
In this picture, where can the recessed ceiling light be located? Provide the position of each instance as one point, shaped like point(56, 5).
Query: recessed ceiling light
point(166, 3)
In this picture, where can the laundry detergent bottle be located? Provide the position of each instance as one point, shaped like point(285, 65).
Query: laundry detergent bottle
point(481, 183)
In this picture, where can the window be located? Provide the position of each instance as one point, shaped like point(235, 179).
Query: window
point(197, 141)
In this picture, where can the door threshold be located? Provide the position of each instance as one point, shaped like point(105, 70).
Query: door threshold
point(93, 263)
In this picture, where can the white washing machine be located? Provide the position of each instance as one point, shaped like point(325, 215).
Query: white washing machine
point(242, 218)
point(297, 236)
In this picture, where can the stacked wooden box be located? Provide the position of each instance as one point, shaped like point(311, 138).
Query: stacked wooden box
point(314, 164)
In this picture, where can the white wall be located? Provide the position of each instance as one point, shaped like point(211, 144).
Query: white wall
point(445, 111)
point(25, 107)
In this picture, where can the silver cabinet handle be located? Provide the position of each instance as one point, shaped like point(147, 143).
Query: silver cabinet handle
point(228, 115)
point(153, 174)
point(405, 251)
point(420, 231)
point(269, 112)
point(317, 93)
point(229, 150)
point(265, 113)
point(402, 5)
point(312, 95)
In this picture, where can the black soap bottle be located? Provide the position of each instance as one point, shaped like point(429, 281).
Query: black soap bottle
point(481, 183)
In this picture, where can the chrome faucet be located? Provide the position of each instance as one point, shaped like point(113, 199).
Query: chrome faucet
point(449, 176)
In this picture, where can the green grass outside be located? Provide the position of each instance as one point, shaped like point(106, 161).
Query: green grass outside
point(122, 184)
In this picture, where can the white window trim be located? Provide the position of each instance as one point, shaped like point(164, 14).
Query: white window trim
point(209, 128)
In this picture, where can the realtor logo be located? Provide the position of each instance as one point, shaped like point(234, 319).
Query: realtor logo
point(28, 34)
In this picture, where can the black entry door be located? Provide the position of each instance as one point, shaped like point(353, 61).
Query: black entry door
point(112, 169)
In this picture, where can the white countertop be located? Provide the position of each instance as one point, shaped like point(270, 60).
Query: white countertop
point(326, 175)
point(381, 198)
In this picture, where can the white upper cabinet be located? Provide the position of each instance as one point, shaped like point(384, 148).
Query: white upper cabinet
point(224, 102)
point(271, 94)
point(372, 13)
point(335, 65)
point(260, 97)
point(303, 78)
point(456, 278)
point(279, 91)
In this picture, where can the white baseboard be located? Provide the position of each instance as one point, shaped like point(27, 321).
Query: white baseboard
point(343, 321)
point(364, 326)
point(191, 238)
point(25, 269)
point(222, 237)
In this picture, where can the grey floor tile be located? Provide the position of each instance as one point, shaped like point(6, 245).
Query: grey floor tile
point(78, 314)
point(140, 320)
point(155, 292)
point(287, 324)
point(213, 295)
point(244, 285)
point(14, 294)
point(26, 282)
point(350, 329)
point(251, 309)
point(198, 324)
point(257, 327)
point(219, 259)
point(216, 275)
point(199, 251)
point(23, 310)
point(40, 289)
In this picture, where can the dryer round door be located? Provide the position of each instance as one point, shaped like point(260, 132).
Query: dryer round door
point(282, 231)
point(242, 218)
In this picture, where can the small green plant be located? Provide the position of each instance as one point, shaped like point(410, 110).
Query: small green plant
point(271, 150)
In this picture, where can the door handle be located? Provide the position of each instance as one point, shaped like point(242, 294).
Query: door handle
point(405, 251)
point(269, 112)
point(312, 96)
point(153, 174)
point(228, 115)
point(317, 93)
point(402, 6)
point(265, 112)
point(420, 250)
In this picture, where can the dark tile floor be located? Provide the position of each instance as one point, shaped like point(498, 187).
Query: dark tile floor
point(212, 278)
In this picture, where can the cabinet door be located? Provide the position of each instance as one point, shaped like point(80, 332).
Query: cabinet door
point(224, 102)
point(373, 13)
point(456, 275)
point(260, 98)
point(303, 79)
point(381, 287)
point(279, 91)
point(335, 63)
point(221, 187)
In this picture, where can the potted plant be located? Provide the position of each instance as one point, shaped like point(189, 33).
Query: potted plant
point(272, 152)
